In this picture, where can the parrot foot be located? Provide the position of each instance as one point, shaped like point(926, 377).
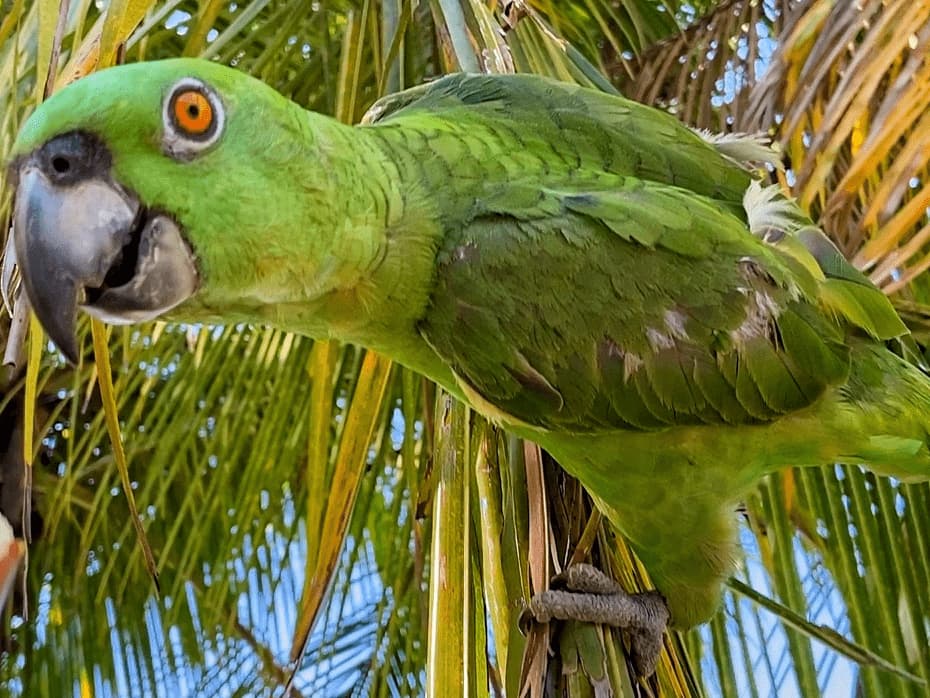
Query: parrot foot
point(586, 594)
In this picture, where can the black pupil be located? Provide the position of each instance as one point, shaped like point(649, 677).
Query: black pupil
point(61, 164)
point(193, 111)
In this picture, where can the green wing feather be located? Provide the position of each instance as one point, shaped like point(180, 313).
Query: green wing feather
point(848, 292)
point(649, 307)
point(659, 294)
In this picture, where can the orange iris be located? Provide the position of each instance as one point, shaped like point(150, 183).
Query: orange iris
point(193, 113)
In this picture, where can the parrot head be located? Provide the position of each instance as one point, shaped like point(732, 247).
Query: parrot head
point(123, 183)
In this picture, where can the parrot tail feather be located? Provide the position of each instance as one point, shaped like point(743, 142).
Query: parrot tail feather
point(891, 398)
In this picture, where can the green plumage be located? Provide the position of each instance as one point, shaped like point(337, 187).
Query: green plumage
point(583, 269)
point(576, 271)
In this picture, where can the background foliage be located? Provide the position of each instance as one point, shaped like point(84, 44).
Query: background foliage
point(246, 445)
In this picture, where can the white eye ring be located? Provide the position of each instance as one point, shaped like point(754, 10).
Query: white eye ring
point(181, 143)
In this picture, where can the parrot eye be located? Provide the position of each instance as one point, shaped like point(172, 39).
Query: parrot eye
point(192, 113)
point(193, 119)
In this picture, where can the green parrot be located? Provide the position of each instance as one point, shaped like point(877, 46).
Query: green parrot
point(579, 268)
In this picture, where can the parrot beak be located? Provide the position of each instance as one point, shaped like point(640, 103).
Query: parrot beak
point(82, 241)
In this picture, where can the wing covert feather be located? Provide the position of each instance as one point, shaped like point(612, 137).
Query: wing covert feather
point(641, 307)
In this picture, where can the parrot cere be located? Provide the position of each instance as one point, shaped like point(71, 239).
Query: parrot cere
point(582, 269)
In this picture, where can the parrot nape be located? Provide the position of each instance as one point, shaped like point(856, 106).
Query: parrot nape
point(579, 268)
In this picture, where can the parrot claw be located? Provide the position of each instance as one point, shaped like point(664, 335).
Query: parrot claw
point(586, 594)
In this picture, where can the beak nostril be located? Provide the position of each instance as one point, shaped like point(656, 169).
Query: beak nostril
point(72, 157)
point(61, 164)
